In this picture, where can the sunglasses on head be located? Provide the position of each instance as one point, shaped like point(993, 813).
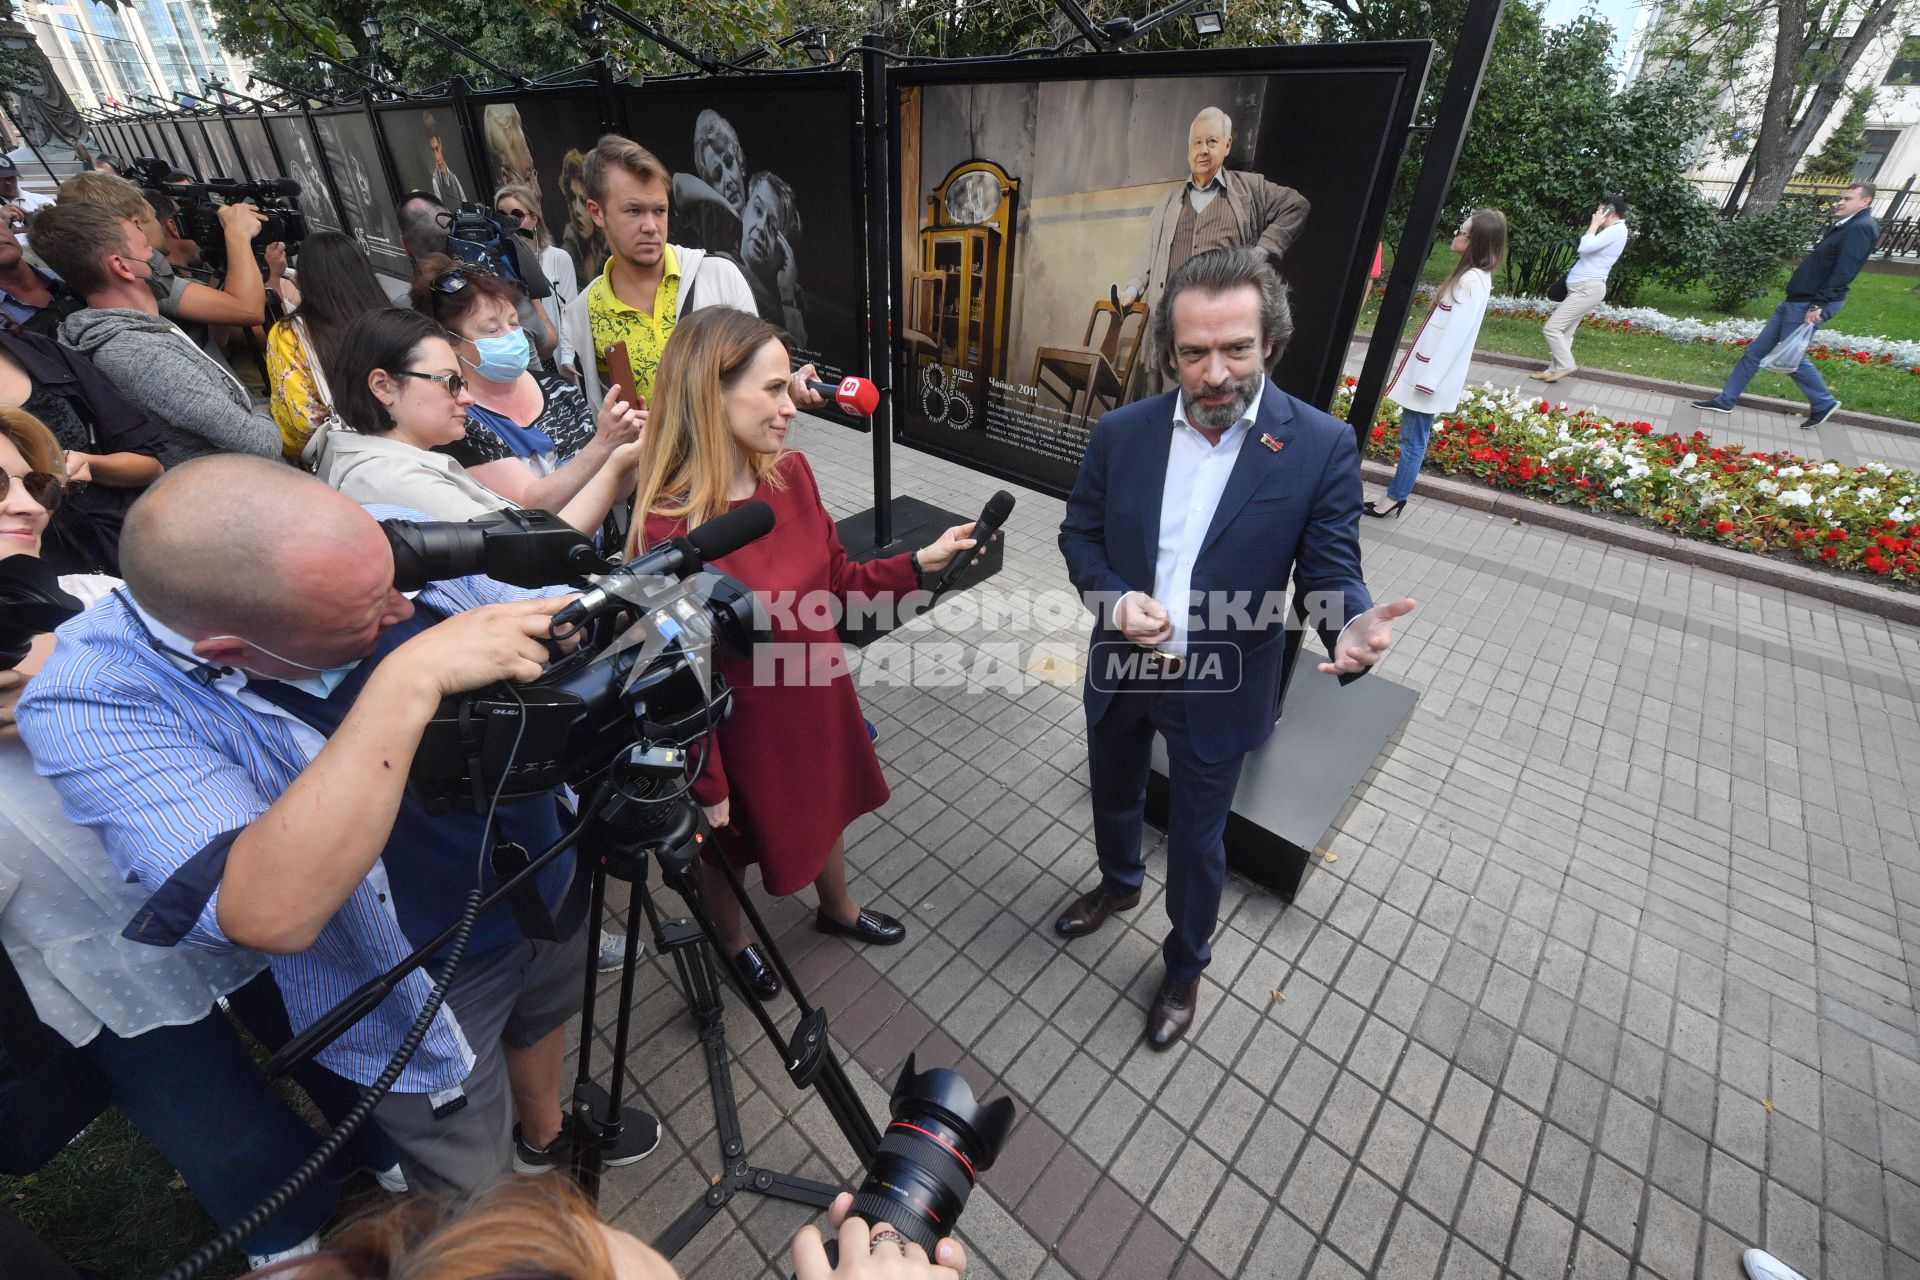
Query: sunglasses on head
point(452, 383)
point(43, 487)
point(452, 280)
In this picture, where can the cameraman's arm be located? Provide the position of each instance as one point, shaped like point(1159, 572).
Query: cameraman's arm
point(293, 867)
point(242, 298)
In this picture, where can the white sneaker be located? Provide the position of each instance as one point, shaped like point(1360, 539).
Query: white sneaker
point(391, 1179)
point(613, 952)
point(310, 1245)
point(1762, 1265)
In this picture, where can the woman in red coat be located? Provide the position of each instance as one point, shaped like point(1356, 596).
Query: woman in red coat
point(793, 764)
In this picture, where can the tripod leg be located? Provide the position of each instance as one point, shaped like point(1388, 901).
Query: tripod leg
point(586, 1155)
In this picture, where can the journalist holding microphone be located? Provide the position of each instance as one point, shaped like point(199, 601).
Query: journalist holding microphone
point(794, 764)
point(237, 724)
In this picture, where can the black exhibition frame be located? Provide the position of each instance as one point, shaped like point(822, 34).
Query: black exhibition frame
point(1410, 59)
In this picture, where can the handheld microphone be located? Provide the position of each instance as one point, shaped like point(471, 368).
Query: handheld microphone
point(676, 557)
point(992, 516)
point(851, 395)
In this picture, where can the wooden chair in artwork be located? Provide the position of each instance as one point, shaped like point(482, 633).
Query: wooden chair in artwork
point(926, 316)
point(1091, 378)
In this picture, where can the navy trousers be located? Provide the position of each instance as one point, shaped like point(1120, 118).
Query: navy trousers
point(1119, 757)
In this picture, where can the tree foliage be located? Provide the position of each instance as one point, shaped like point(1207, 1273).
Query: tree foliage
point(1783, 65)
point(1846, 144)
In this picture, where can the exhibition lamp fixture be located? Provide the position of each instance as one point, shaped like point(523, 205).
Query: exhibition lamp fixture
point(589, 26)
point(417, 28)
point(292, 95)
point(1209, 18)
point(219, 89)
point(812, 41)
point(326, 66)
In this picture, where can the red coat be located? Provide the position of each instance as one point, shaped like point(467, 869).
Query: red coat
point(794, 758)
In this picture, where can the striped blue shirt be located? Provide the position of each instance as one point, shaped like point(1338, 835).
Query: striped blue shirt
point(162, 764)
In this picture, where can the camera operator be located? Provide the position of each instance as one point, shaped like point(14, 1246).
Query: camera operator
point(238, 724)
point(424, 226)
point(112, 1021)
point(107, 261)
point(240, 298)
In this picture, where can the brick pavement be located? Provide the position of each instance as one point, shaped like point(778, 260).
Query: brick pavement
point(1613, 974)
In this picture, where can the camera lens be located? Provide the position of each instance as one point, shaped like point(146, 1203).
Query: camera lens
point(939, 1143)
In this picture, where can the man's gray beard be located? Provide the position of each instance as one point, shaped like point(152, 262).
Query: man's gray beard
point(1223, 417)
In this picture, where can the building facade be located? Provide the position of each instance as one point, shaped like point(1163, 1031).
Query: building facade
point(105, 56)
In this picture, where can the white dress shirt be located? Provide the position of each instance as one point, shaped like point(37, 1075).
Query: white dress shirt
point(1197, 472)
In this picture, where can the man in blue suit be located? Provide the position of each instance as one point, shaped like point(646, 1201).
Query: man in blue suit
point(1217, 494)
point(1815, 293)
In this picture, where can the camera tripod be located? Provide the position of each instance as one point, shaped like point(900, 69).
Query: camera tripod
point(620, 835)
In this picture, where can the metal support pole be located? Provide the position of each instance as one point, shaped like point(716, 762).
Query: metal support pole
point(880, 318)
point(1471, 51)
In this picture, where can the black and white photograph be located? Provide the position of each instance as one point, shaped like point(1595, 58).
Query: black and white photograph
point(1039, 220)
point(543, 149)
point(302, 164)
point(348, 139)
point(226, 161)
point(256, 151)
point(765, 176)
point(204, 164)
point(430, 155)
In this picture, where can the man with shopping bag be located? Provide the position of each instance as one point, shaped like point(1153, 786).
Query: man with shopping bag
point(1815, 293)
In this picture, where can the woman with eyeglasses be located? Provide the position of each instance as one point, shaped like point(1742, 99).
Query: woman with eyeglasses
point(117, 1022)
point(531, 437)
point(520, 207)
point(401, 392)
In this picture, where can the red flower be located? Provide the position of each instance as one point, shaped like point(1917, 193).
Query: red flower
point(1829, 553)
point(1379, 433)
point(1724, 526)
point(1642, 428)
point(1836, 535)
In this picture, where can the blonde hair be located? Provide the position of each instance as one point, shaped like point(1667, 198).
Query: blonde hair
point(615, 152)
point(110, 191)
point(34, 441)
point(524, 194)
point(690, 456)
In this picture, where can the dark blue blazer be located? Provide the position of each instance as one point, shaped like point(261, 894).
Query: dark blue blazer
point(1291, 513)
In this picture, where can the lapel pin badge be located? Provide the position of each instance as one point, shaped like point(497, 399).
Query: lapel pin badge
point(1273, 445)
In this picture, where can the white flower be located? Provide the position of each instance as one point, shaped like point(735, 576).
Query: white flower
point(1619, 493)
point(1687, 463)
point(1790, 473)
point(1796, 498)
point(1868, 495)
point(1831, 469)
point(1767, 487)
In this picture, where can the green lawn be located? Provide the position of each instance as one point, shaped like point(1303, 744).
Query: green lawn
point(1883, 305)
point(110, 1202)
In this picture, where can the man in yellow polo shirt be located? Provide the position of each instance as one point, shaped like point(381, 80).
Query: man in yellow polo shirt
point(648, 284)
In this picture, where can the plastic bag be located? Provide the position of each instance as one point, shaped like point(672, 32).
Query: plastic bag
point(1792, 350)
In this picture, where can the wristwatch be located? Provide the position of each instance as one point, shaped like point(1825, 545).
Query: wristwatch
point(919, 574)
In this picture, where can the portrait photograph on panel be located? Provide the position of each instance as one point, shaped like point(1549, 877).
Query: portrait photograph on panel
point(540, 143)
point(764, 175)
point(347, 137)
point(175, 146)
point(256, 151)
point(302, 164)
point(430, 155)
point(1039, 219)
point(226, 161)
point(203, 163)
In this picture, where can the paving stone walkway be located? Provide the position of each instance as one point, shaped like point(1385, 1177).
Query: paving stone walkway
point(1612, 973)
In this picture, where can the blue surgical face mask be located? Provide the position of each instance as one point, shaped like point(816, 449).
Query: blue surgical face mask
point(321, 684)
point(503, 357)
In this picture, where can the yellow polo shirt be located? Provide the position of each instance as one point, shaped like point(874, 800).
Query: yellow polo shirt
point(612, 321)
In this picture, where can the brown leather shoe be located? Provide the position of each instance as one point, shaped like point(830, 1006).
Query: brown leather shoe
point(1090, 910)
point(1172, 1012)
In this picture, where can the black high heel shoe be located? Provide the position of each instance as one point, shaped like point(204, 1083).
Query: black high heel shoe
point(1393, 510)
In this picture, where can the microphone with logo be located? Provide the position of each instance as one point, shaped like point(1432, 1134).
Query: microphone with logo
point(992, 516)
point(676, 557)
point(851, 395)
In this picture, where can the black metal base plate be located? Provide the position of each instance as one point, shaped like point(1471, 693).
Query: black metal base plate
point(1293, 788)
point(915, 524)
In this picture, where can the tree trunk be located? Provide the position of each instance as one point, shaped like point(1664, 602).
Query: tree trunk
point(1783, 139)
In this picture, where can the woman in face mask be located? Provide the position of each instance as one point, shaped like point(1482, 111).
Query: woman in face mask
point(531, 437)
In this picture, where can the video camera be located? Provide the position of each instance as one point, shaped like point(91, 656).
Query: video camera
point(31, 602)
point(277, 199)
point(477, 236)
point(640, 692)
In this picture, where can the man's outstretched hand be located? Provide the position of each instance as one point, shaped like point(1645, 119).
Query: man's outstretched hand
point(1366, 639)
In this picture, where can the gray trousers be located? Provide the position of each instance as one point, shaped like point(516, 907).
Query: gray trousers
point(1581, 298)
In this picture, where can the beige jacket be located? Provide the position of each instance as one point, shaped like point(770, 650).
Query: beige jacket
point(374, 469)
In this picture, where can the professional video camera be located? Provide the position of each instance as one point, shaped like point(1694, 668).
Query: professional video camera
point(477, 236)
point(31, 603)
point(277, 199)
point(645, 689)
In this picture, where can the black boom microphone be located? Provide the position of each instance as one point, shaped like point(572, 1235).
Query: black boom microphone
point(676, 557)
point(992, 516)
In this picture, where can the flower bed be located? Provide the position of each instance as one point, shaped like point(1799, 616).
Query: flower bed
point(1865, 519)
point(1891, 353)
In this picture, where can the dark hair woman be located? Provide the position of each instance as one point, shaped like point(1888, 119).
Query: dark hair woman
point(334, 284)
point(400, 392)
